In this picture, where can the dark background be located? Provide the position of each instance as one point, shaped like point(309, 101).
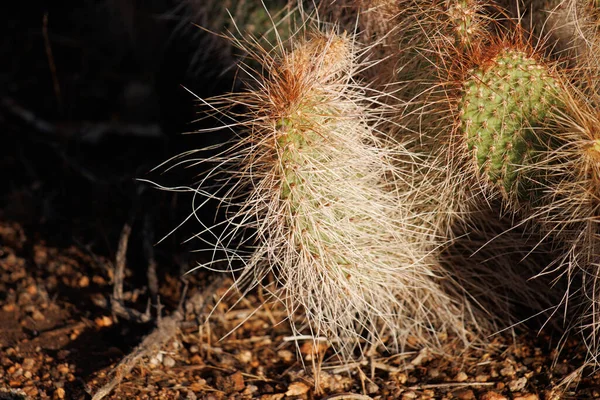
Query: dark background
point(93, 96)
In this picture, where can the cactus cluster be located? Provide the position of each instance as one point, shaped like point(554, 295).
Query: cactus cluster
point(361, 162)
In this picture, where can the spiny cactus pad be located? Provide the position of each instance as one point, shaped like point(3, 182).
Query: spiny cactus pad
point(502, 103)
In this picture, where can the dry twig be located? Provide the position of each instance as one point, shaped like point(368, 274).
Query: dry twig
point(117, 306)
point(165, 330)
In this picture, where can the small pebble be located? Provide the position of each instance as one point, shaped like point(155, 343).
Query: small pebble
point(372, 388)
point(98, 280)
point(245, 356)
point(168, 362)
point(9, 307)
point(59, 393)
point(529, 396)
point(198, 386)
point(84, 281)
point(196, 359)
point(277, 396)
point(297, 389)
point(465, 395)
point(31, 391)
point(37, 315)
point(310, 349)
point(402, 378)
point(492, 396)
point(232, 383)
point(285, 355)
point(461, 377)
point(433, 373)
point(250, 390)
point(190, 395)
point(28, 363)
point(157, 359)
point(517, 385)
point(508, 371)
point(104, 321)
point(63, 369)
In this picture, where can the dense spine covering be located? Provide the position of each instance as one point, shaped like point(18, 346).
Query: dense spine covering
point(314, 197)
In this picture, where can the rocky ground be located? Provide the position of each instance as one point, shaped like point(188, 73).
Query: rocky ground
point(92, 307)
point(60, 338)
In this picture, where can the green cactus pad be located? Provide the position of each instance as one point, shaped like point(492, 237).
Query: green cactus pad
point(502, 103)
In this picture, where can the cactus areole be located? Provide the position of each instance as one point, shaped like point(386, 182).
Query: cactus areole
point(503, 101)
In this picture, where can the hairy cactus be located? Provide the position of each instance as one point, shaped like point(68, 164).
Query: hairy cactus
point(569, 207)
point(467, 22)
point(314, 196)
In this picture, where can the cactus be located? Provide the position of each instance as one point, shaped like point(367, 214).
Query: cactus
point(569, 207)
point(314, 196)
point(529, 131)
point(346, 192)
point(503, 101)
point(467, 22)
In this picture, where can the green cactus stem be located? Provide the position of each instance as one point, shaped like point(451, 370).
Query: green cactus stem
point(464, 17)
point(503, 101)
